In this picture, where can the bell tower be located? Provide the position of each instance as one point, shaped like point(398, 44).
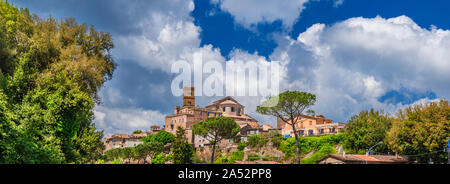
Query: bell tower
point(188, 96)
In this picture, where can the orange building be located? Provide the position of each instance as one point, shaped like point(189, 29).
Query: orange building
point(310, 126)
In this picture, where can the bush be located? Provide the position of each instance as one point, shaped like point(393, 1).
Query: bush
point(257, 141)
point(308, 144)
point(277, 140)
point(241, 146)
point(116, 161)
point(324, 150)
point(236, 156)
point(161, 158)
point(221, 160)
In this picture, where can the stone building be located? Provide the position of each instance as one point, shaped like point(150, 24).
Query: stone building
point(122, 141)
point(189, 114)
point(310, 126)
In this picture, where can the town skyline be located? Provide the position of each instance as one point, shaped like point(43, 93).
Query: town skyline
point(372, 71)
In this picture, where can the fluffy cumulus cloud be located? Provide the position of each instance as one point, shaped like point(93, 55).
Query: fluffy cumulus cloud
point(355, 62)
point(252, 12)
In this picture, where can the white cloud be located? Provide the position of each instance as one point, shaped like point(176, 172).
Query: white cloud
point(251, 12)
point(126, 120)
point(354, 62)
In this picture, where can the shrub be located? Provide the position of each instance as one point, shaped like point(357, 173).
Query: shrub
point(324, 150)
point(221, 160)
point(257, 141)
point(237, 155)
point(161, 158)
point(308, 144)
point(241, 146)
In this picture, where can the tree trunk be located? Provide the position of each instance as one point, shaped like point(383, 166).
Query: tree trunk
point(296, 142)
point(213, 150)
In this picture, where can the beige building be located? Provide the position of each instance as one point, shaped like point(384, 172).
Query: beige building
point(189, 114)
point(310, 126)
point(122, 141)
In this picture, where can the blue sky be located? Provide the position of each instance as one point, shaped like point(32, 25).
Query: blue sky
point(353, 54)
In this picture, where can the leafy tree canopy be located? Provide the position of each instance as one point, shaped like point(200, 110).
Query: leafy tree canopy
point(182, 151)
point(422, 131)
point(50, 73)
point(216, 129)
point(163, 137)
point(367, 129)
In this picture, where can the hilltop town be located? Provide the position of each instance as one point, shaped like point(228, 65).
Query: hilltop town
point(189, 114)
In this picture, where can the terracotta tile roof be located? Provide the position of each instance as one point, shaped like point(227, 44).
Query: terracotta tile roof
point(256, 162)
point(364, 157)
point(370, 158)
point(123, 136)
point(138, 135)
point(228, 102)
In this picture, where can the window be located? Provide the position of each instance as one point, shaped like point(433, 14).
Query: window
point(208, 114)
point(310, 123)
point(321, 131)
point(302, 132)
point(223, 109)
point(171, 127)
point(232, 109)
point(310, 132)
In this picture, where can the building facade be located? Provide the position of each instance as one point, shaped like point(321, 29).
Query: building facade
point(316, 125)
point(122, 141)
point(189, 114)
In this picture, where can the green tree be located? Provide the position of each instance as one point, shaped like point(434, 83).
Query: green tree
point(216, 129)
point(288, 106)
point(182, 151)
point(128, 153)
point(367, 129)
point(163, 137)
point(50, 74)
point(142, 151)
point(422, 131)
point(137, 131)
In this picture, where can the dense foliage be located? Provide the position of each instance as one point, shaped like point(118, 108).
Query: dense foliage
point(257, 141)
point(182, 150)
point(309, 144)
point(422, 131)
point(235, 156)
point(139, 153)
point(50, 73)
point(367, 129)
point(163, 137)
